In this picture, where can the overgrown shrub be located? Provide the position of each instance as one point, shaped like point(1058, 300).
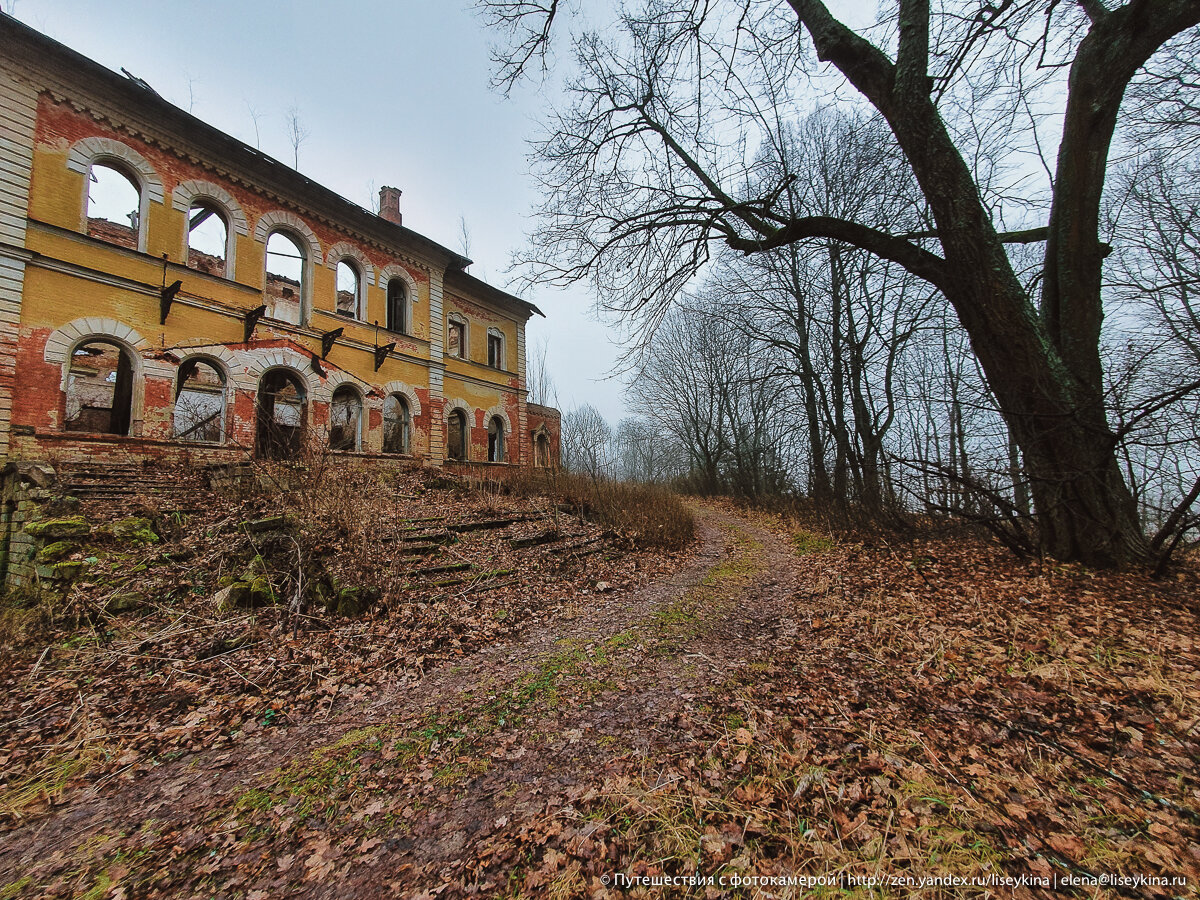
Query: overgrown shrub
point(648, 516)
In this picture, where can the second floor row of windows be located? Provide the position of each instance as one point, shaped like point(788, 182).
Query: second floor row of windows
point(115, 208)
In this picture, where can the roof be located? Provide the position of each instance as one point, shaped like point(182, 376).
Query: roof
point(471, 284)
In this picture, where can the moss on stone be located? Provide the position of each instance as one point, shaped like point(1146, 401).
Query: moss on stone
point(59, 529)
point(248, 592)
point(351, 601)
point(232, 596)
point(57, 551)
point(261, 592)
point(67, 570)
point(133, 530)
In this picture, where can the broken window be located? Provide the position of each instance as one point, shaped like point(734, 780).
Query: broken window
point(113, 205)
point(280, 414)
point(100, 389)
point(456, 342)
point(496, 440)
point(541, 450)
point(495, 349)
point(456, 435)
point(285, 277)
point(348, 290)
point(199, 402)
point(208, 237)
point(397, 306)
point(397, 425)
point(345, 419)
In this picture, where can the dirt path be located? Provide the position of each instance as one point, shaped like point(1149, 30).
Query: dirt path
point(429, 784)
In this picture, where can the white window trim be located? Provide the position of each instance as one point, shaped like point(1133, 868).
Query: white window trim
point(88, 151)
point(295, 228)
point(227, 395)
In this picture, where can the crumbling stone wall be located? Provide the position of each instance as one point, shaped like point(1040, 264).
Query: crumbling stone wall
point(25, 490)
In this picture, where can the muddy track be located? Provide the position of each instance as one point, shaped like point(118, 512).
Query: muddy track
point(498, 739)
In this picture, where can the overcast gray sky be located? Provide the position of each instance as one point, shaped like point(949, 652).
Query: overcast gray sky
point(391, 92)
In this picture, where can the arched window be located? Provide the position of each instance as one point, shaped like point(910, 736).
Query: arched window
point(495, 341)
point(100, 389)
point(397, 306)
point(279, 414)
point(208, 238)
point(285, 277)
point(345, 419)
point(199, 402)
point(114, 205)
point(349, 290)
point(541, 450)
point(397, 425)
point(456, 435)
point(496, 440)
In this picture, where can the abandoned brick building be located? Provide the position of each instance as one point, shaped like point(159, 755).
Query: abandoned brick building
point(168, 292)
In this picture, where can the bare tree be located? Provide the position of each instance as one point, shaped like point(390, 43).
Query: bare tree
point(647, 452)
point(537, 374)
point(297, 134)
point(651, 165)
point(255, 116)
point(586, 442)
point(464, 237)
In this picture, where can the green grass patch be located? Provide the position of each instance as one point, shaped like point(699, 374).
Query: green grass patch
point(53, 777)
point(806, 542)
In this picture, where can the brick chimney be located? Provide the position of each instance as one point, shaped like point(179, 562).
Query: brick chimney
point(389, 204)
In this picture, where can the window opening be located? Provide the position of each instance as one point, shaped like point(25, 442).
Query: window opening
point(348, 290)
point(280, 414)
point(114, 206)
point(457, 343)
point(345, 419)
point(200, 403)
point(397, 425)
point(100, 389)
point(456, 435)
point(496, 440)
point(285, 278)
point(397, 307)
point(208, 236)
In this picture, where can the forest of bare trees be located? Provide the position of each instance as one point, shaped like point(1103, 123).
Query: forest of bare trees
point(941, 261)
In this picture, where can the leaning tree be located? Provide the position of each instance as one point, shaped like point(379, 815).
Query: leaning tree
point(657, 157)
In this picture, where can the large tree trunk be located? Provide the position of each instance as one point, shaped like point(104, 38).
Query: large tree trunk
point(1046, 374)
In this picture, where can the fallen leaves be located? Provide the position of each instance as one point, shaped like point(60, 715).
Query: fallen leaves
point(931, 708)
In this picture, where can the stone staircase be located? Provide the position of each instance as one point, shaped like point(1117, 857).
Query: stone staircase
point(120, 486)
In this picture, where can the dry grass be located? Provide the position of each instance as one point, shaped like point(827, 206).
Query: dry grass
point(648, 516)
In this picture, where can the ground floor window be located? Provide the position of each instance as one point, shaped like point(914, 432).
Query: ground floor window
point(280, 414)
point(100, 389)
point(456, 435)
point(397, 425)
point(496, 440)
point(345, 419)
point(199, 402)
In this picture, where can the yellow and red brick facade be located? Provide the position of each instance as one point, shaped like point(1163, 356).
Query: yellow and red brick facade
point(70, 287)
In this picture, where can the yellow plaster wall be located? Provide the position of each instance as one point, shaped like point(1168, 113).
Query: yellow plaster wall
point(477, 339)
point(54, 298)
